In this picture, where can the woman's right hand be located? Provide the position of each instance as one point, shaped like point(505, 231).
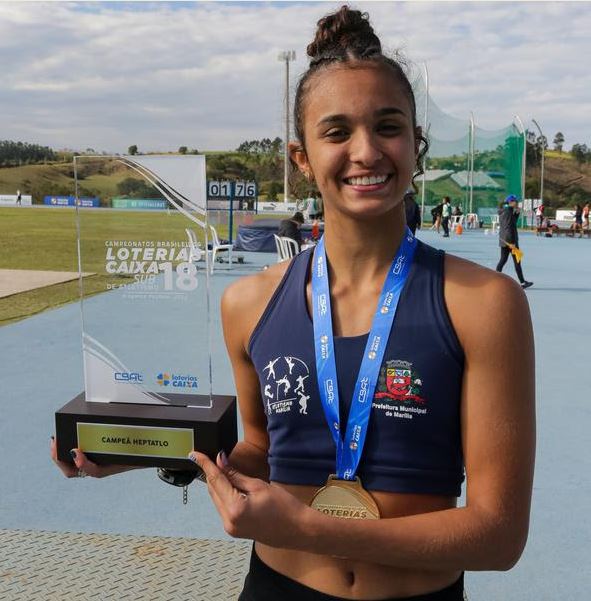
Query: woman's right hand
point(83, 466)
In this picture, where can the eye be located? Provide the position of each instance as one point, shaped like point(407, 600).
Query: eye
point(336, 133)
point(389, 128)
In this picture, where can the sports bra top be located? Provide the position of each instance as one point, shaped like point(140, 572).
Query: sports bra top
point(413, 442)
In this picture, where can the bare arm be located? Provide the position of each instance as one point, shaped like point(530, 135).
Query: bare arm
point(498, 428)
point(242, 306)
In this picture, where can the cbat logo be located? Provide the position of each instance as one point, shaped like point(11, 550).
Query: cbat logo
point(399, 265)
point(163, 379)
point(128, 376)
point(176, 380)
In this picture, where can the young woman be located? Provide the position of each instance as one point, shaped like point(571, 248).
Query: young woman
point(454, 388)
point(396, 410)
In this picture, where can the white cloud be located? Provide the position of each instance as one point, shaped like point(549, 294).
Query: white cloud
point(206, 75)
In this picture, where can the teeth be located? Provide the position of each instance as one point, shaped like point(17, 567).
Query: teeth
point(367, 181)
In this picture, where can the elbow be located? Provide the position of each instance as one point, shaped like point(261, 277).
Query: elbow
point(511, 556)
point(510, 549)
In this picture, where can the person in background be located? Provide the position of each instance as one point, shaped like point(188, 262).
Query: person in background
point(457, 211)
point(509, 238)
point(290, 228)
point(577, 226)
point(586, 216)
point(436, 217)
point(312, 207)
point(412, 211)
point(539, 216)
point(19, 197)
point(446, 215)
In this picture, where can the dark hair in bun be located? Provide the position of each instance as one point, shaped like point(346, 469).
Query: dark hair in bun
point(346, 36)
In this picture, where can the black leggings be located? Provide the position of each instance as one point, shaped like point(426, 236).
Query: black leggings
point(505, 252)
point(265, 584)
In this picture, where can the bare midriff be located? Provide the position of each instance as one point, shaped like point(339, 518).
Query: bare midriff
point(357, 579)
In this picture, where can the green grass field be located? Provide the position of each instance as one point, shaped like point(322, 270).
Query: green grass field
point(45, 239)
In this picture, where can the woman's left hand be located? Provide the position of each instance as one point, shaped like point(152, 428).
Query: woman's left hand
point(252, 508)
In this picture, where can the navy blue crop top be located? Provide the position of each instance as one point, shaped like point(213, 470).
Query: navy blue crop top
point(413, 442)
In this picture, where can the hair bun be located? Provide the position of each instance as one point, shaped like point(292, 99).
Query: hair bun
point(343, 32)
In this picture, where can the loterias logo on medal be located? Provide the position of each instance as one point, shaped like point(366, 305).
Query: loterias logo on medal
point(398, 391)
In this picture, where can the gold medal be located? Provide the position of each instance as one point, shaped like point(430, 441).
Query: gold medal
point(345, 499)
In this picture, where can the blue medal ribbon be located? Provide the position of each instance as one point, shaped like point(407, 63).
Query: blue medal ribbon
point(349, 449)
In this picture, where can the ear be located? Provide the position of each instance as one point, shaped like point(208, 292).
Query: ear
point(298, 155)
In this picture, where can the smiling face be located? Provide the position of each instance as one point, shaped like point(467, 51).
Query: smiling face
point(359, 138)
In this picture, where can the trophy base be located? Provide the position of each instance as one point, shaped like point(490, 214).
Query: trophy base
point(145, 435)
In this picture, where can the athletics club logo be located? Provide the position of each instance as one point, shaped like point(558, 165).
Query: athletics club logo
point(399, 382)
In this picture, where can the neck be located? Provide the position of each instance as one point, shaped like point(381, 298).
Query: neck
point(360, 251)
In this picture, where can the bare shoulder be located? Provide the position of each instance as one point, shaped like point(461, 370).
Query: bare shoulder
point(482, 302)
point(245, 300)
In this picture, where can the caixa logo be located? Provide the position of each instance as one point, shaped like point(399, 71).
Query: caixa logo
point(176, 380)
point(128, 376)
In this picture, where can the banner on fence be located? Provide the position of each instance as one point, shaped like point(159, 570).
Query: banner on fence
point(139, 203)
point(277, 207)
point(11, 200)
point(70, 201)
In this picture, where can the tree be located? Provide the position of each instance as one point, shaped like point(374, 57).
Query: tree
point(581, 153)
point(132, 149)
point(183, 150)
point(274, 188)
point(558, 141)
point(137, 188)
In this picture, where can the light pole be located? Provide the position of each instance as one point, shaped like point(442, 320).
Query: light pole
point(286, 56)
point(542, 142)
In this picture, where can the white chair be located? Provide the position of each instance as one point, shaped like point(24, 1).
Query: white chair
point(217, 246)
point(290, 247)
point(455, 221)
point(195, 250)
point(494, 221)
point(286, 248)
point(279, 247)
point(472, 221)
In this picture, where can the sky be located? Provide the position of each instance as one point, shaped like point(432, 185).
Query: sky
point(206, 75)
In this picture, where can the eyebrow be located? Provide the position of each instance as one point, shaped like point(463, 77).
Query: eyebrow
point(379, 113)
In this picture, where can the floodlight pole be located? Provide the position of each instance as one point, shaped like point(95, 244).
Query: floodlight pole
point(286, 56)
point(520, 124)
point(542, 138)
point(471, 173)
point(425, 133)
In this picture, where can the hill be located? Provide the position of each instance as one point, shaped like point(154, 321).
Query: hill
point(103, 178)
point(566, 181)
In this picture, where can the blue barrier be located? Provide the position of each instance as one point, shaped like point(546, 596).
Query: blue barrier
point(70, 201)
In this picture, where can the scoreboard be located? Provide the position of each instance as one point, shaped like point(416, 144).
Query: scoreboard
point(243, 194)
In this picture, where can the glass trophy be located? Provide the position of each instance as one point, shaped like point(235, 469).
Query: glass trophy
point(146, 307)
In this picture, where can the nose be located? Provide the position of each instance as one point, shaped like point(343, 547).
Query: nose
point(364, 149)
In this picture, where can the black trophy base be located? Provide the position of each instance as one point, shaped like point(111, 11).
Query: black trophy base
point(145, 435)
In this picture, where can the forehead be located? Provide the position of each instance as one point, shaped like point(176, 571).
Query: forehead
point(354, 90)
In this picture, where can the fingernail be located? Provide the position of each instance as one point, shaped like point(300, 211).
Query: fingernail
point(73, 453)
point(223, 458)
point(192, 458)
